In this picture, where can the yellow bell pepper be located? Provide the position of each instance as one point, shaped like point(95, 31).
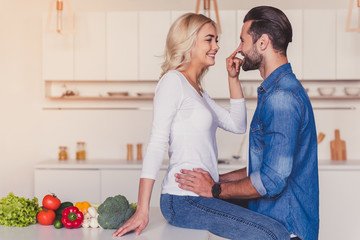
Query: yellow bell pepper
point(83, 206)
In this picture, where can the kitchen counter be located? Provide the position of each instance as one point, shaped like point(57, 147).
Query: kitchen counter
point(157, 229)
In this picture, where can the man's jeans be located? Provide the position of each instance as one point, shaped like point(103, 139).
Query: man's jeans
point(220, 218)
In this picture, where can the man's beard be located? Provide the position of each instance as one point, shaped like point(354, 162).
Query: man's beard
point(252, 60)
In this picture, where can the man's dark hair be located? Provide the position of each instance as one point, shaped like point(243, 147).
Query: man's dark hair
point(273, 22)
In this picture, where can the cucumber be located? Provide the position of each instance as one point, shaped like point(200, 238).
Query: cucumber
point(57, 223)
point(63, 205)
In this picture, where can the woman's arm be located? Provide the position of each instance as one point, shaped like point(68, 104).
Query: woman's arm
point(140, 219)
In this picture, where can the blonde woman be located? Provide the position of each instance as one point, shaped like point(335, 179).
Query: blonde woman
point(185, 120)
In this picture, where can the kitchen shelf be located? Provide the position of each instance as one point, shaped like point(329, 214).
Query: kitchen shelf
point(105, 98)
point(315, 98)
point(89, 98)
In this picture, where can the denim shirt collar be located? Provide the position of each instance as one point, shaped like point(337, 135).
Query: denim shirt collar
point(278, 73)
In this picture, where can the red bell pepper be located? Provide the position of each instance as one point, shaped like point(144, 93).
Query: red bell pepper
point(72, 217)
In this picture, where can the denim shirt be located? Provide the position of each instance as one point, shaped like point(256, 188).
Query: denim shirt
point(283, 164)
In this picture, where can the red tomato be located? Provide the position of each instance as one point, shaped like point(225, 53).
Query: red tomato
point(46, 217)
point(51, 202)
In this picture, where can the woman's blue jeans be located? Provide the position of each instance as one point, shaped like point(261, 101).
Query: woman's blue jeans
point(220, 218)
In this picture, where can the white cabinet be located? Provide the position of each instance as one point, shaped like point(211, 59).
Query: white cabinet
point(339, 208)
point(215, 81)
point(153, 29)
point(126, 183)
point(122, 46)
point(319, 44)
point(89, 46)
point(295, 48)
point(69, 185)
point(57, 55)
point(347, 50)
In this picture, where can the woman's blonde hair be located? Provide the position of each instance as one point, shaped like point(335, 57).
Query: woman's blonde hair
point(180, 41)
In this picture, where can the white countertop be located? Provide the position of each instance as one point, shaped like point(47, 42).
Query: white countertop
point(134, 164)
point(157, 229)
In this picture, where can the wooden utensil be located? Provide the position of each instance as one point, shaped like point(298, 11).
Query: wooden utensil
point(338, 147)
point(320, 137)
point(139, 151)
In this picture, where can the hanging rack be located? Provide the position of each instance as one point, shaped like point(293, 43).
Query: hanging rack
point(207, 10)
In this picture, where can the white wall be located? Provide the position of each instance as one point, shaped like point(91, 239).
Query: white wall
point(29, 134)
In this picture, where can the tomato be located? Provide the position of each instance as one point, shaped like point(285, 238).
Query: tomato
point(46, 216)
point(51, 202)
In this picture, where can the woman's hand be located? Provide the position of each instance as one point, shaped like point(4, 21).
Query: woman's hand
point(137, 222)
point(233, 65)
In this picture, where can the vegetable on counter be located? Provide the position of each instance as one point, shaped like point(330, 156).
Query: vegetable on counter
point(51, 202)
point(72, 217)
point(18, 211)
point(63, 205)
point(46, 216)
point(83, 206)
point(90, 219)
point(114, 212)
point(57, 223)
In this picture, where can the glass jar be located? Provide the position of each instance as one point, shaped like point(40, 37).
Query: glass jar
point(63, 153)
point(80, 151)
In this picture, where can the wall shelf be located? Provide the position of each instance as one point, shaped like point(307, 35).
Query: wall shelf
point(89, 98)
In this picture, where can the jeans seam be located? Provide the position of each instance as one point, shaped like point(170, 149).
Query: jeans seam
point(171, 200)
point(251, 224)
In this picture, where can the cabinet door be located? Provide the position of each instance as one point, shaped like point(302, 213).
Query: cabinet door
point(122, 45)
point(153, 29)
point(249, 75)
point(347, 49)
point(57, 55)
point(89, 59)
point(126, 183)
point(68, 185)
point(215, 81)
point(319, 44)
point(339, 208)
point(295, 48)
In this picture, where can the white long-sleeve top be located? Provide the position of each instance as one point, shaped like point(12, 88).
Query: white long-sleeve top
point(185, 123)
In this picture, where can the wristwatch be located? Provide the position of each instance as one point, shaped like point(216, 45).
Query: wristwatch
point(216, 190)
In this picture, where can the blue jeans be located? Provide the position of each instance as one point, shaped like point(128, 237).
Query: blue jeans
point(220, 218)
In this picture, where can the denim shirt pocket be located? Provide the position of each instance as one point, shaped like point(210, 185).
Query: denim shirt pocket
point(256, 135)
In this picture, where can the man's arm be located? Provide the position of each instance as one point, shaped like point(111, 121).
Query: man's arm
point(200, 182)
point(240, 189)
point(233, 176)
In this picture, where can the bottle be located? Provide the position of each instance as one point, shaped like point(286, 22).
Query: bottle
point(80, 151)
point(63, 153)
point(139, 152)
point(129, 152)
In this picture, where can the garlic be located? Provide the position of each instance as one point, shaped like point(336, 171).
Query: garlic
point(94, 223)
point(86, 223)
point(92, 211)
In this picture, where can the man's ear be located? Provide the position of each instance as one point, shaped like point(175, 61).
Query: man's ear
point(263, 42)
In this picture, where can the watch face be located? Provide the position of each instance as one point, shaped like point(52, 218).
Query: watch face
point(216, 190)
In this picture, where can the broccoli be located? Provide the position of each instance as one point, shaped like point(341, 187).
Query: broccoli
point(114, 212)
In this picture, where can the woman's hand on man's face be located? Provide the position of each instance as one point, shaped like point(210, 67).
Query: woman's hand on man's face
point(233, 65)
